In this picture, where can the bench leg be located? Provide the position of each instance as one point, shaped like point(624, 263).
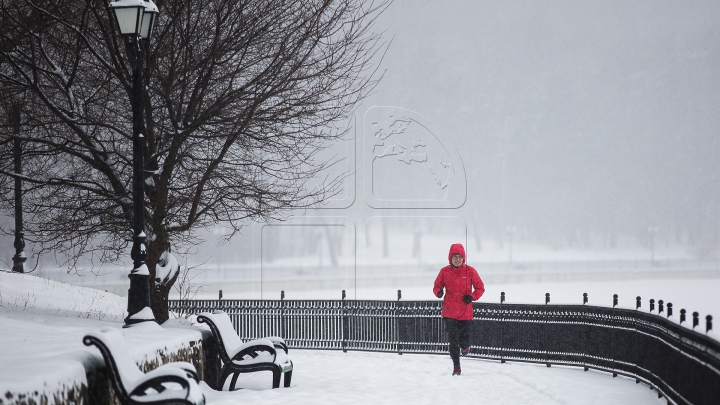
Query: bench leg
point(234, 381)
point(223, 377)
point(276, 378)
point(288, 377)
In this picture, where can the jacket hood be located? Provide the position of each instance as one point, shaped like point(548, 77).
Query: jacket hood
point(456, 249)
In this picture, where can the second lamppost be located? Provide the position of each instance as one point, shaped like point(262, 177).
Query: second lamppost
point(135, 19)
point(15, 103)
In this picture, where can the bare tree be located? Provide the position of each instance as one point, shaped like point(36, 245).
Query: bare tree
point(240, 98)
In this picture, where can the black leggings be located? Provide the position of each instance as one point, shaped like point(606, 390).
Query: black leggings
point(458, 336)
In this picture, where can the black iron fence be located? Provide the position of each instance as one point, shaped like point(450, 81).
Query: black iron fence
point(681, 364)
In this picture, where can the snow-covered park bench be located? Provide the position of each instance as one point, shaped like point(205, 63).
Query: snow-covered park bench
point(172, 383)
point(270, 353)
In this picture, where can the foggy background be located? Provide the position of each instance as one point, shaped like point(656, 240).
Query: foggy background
point(580, 123)
point(583, 138)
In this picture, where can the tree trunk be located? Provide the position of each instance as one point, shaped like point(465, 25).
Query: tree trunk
point(159, 289)
point(159, 293)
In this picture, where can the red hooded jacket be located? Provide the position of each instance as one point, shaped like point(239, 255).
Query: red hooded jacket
point(458, 282)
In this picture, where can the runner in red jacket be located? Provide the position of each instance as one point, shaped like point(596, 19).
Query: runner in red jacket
point(461, 285)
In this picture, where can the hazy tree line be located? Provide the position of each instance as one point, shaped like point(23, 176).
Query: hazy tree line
point(241, 95)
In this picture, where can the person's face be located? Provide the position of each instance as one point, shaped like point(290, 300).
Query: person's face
point(457, 260)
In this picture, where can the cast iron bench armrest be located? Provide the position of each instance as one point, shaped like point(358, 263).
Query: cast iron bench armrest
point(253, 348)
point(278, 342)
point(187, 367)
point(156, 382)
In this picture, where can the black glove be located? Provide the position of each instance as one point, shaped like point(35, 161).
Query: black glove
point(440, 293)
point(468, 299)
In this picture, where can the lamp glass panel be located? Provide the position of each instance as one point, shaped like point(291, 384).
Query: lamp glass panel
point(129, 19)
point(147, 23)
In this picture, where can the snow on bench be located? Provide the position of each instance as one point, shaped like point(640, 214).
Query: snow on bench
point(175, 383)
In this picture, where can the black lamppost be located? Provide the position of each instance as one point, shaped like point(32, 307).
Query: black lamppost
point(135, 19)
point(15, 115)
point(19, 244)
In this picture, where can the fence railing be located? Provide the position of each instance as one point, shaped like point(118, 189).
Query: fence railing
point(681, 364)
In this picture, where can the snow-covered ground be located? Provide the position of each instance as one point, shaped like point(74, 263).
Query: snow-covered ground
point(334, 377)
point(42, 323)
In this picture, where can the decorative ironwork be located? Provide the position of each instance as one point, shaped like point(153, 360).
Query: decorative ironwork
point(681, 364)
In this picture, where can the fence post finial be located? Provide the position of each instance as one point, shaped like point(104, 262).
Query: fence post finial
point(399, 294)
point(343, 295)
point(660, 307)
point(638, 302)
point(615, 300)
point(502, 297)
point(547, 298)
point(585, 298)
point(696, 319)
point(652, 304)
point(682, 315)
point(708, 323)
point(669, 314)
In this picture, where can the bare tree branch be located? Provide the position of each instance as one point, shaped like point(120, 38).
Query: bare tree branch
point(241, 95)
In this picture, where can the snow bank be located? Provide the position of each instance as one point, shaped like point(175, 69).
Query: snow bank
point(42, 326)
point(27, 296)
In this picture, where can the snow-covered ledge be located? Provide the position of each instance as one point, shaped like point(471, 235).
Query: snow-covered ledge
point(41, 351)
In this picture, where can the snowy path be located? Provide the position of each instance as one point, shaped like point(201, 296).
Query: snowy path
point(333, 377)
